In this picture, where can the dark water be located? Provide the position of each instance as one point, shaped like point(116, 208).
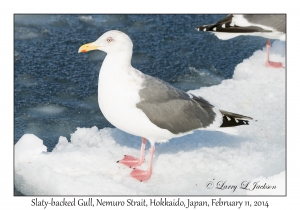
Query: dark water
point(55, 88)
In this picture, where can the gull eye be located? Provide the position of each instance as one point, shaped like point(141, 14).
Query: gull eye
point(109, 39)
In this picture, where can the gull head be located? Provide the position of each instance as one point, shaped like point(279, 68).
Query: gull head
point(110, 42)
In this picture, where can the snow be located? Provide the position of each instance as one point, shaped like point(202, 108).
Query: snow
point(195, 164)
point(28, 145)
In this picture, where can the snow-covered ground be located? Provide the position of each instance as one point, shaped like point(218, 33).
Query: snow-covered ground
point(203, 163)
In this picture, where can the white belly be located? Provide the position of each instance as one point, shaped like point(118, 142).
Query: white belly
point(118, 96)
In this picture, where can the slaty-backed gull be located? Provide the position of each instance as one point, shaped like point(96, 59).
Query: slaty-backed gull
point(148, 107)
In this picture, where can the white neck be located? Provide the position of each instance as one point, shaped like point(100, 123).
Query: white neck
point(116, 68)
point(117, 61)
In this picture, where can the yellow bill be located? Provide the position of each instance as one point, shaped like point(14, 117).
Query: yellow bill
point(88, 47)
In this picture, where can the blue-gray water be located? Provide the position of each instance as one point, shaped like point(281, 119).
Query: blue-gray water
point(55, 88)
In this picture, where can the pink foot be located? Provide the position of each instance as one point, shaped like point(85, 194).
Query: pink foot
point(271, 63)
point(274, 64)
point(131, 161)
point(141, 175)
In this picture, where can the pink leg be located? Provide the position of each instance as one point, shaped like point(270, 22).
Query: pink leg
point(271, 63)
point(142, 175)
point(132, 161)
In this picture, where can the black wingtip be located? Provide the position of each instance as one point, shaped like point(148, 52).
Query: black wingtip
point(232, 119)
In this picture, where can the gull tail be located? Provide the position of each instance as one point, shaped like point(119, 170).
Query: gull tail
point(231, 119)
point(226, 25)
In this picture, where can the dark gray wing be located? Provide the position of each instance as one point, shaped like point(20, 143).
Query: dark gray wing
point(172, 109)
point(278, 22)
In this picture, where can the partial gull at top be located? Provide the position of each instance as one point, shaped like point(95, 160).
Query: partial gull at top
point(268, 26)
point(148, 107)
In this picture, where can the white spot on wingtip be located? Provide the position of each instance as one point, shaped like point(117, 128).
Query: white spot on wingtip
point(236, 120)
point(204, 29)
point(223, 26)
point(228, 118)
point(214, 28)
point(231, 24)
